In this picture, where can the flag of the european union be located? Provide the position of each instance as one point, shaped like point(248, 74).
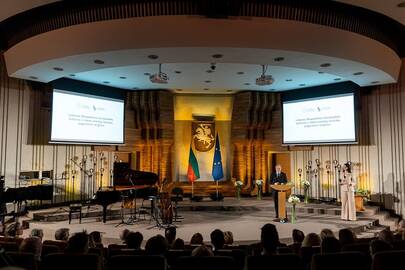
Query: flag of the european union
point(217, 171)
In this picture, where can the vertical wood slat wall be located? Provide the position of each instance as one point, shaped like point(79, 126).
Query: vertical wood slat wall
point(380, 155)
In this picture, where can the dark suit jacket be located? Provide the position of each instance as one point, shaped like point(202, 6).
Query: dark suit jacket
point(282, 178)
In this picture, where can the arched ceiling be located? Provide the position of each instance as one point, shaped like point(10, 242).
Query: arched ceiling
point(297, 54)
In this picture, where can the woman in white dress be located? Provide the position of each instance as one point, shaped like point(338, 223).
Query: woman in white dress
point(347, 187)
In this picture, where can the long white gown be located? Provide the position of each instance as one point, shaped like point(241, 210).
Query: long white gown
point(347, 187)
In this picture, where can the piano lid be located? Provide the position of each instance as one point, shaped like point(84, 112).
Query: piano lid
point(124, 176)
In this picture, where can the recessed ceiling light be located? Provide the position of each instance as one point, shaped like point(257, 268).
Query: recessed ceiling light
point(357, 73)
point(240, 72)
point(401, 4)
point(272, 89)
point(375, 82)
point(123, 77)
point(146, 74)
point(106, 82)
point(217, 56)
point(209, 71)
point(135, 88)
point(206, 89)
point(179, 90)
point(229, 91)
point(33, 77)
point(337, 79)
point(321, 72)
point(58, 68)
point(72, 75)
point(177, 71)
point(302, 84)
point(153, 56)
point(325, 65)
point(98, 62)
point(207, 81)
point(247, 83)
point(288, 80)
point(278, 59)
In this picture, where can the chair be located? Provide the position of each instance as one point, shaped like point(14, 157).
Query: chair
point(399, 245)
point(130, 262)
point(306, 254)
point(126, 251)
point(66, 261)
point(205, 263)
point(49, 249)
point(360, 247)
point(388, 260)
point(283, 261)
point(339, 261)
point(177, 196)
point(75, 208)
point(285, 250)
point(173, 254)
point(9, 246)
point(60, 244)
point(237, 254)
point(23, 260)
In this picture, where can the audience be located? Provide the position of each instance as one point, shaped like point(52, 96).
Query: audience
point(178, 244)
point(78, 243)
point(311, 240)
point(37, 233)
point(330, 245)
point(326, 233)
point(124, 234)
point(379, 246)
point(346, 237)
point(269, 239)
point(217, 239)
point(298, 237)
point(62, 234)
point(134, 240)
point(202, 251)
point(228, 235)
point(386, 236)
point(400, 231)
point(197, 239)
point(170, 235)
point(95, 239)
point(32, 245)
point(156, 245)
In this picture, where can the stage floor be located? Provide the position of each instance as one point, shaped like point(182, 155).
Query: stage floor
point(243, 217)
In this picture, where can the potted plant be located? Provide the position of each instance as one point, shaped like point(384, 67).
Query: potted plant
point(259, 184)
point(361, 196)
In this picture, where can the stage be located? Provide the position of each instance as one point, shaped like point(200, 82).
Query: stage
point(243, 217)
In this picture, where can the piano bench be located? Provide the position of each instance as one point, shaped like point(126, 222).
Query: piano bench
point(75, 208)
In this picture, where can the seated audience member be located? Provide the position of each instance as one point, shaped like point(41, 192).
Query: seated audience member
point(156, 245)
point(297, 236)
point(386, 235)
point(311, 240)
point(326, 233)
point(32, 245)
point(202, 251)
point(170, 235)
point(197, 239)
point(217, 239)
point(78, 243)
point(134, 240)
point(228, 235)
point(95, 240)
point(330, 245)
point(123, 235)
point(37, 233)
point(269, 239)
point(346, 237)
point(379, 246)
point(400, 231)
point(62, 234)
point(178, 244)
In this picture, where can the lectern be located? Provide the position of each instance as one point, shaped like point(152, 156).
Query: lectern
point(282, 197)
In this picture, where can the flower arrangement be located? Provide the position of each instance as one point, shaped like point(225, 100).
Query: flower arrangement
point(259, 184)
point(293, 199)
point(238, 184)
point(363, 193)
point(306, 184)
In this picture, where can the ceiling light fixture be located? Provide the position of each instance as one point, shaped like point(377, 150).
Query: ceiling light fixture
point(106, 82)
point(159, 77)
point(264, 79)
point(98, 62)
point(278, 59)
point(401, 4)
point(337, 79)
point(33, 77)
point(217, 56)
point(153, 56)
point(123, 77)
point(58, 69)
point(240, 72)
point(357, 73)
point(325, 65)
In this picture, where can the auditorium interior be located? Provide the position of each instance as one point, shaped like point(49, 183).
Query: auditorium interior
point(207, 134)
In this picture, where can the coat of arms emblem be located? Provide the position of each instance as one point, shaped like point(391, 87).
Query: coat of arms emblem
point(203, 135)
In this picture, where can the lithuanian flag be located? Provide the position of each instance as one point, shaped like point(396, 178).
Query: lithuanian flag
point(193, 173)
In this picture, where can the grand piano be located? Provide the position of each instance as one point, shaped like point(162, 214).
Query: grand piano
point(126, 181)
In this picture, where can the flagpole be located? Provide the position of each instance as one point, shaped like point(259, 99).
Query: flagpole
point(192, 189)
point(217, 189)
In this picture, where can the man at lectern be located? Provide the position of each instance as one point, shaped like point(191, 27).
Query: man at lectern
point(277, 177)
